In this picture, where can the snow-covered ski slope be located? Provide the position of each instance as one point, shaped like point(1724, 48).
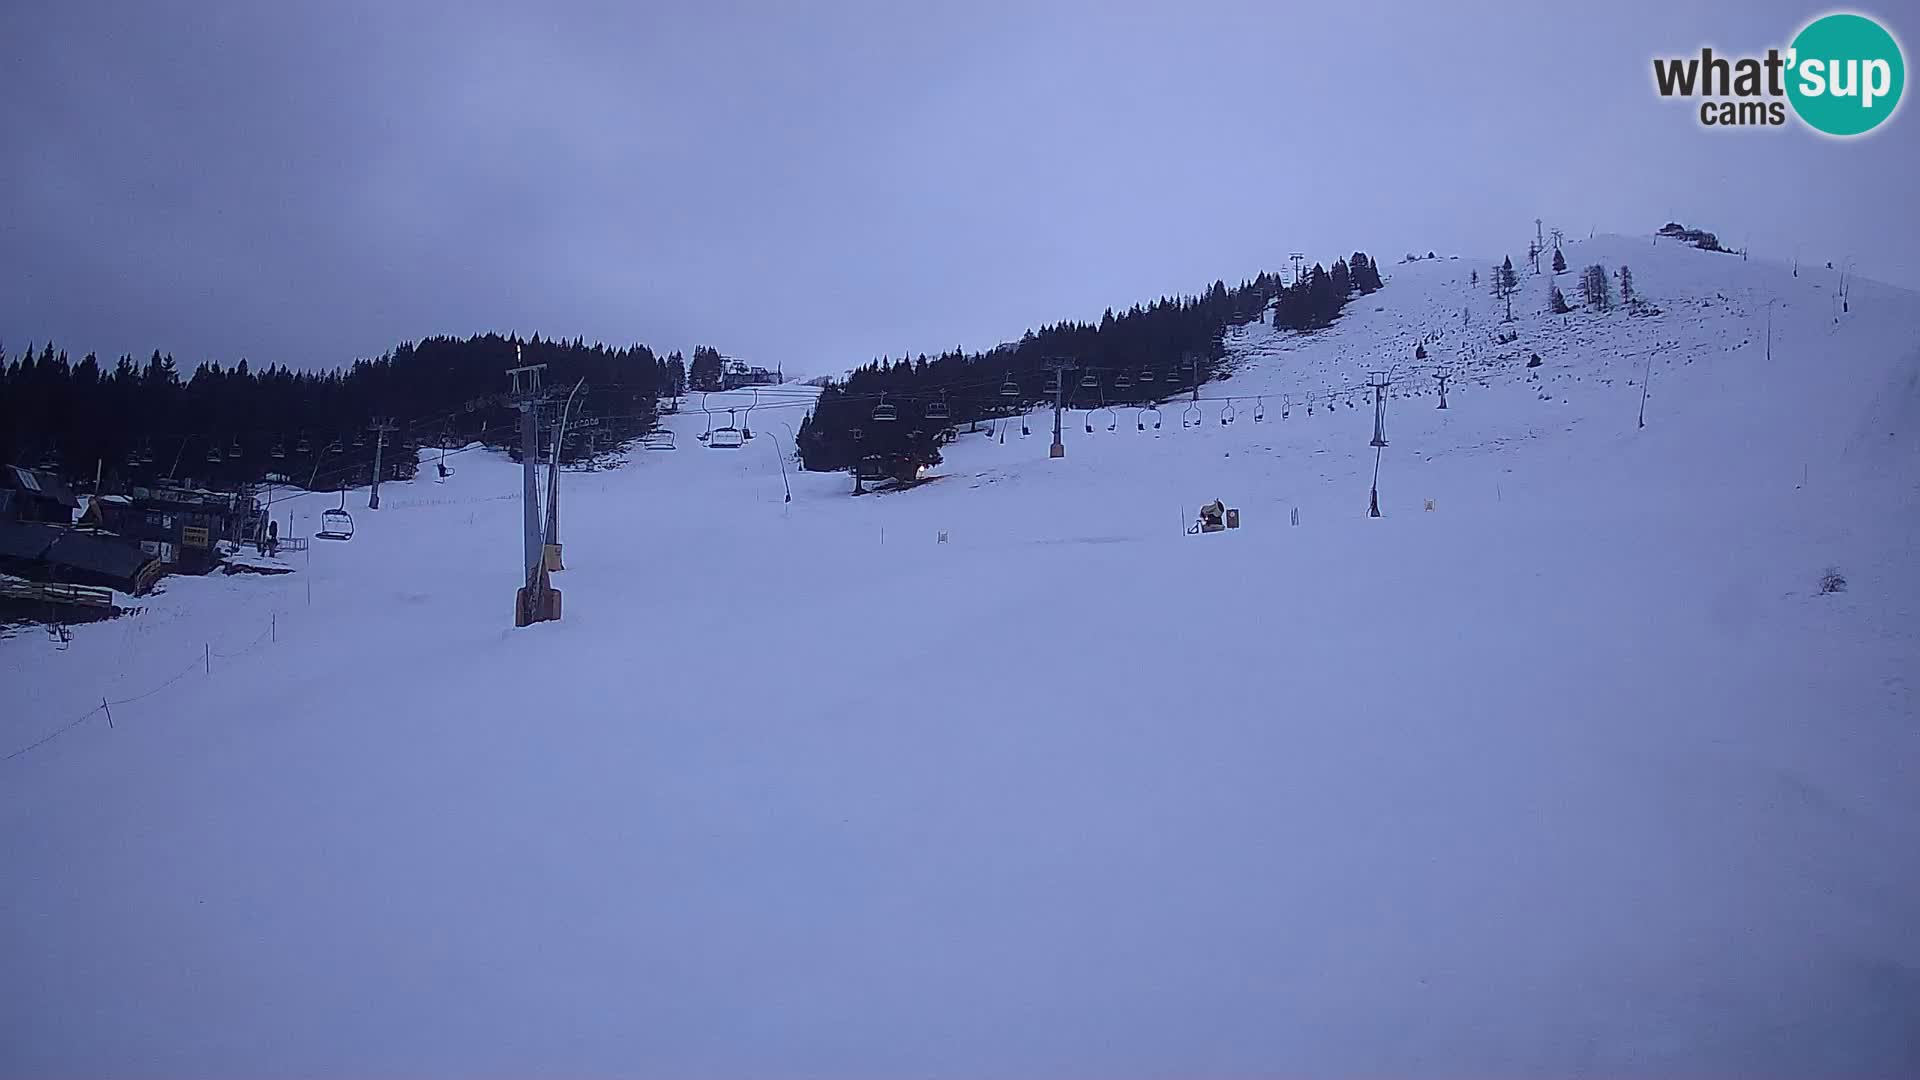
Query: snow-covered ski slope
point(1575, 775)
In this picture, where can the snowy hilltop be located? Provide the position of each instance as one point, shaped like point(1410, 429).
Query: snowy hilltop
point(1593, 754)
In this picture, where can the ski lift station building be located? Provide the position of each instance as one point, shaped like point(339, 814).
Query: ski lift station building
point(33, 495)
point(182, 525)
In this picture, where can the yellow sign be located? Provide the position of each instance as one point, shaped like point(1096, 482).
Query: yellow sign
point(195, 537)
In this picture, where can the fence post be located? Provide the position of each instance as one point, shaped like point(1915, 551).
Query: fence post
point(108, 711)
point(206, 657)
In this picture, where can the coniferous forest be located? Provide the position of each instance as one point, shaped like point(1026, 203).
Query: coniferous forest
point(1146, 353)
point(139, 422)
point(220, 427)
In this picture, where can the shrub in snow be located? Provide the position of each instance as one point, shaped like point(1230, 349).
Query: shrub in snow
point(1833, 581)
point(1535, 361)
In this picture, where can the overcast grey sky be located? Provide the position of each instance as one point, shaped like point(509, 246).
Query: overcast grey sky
point(816, 184)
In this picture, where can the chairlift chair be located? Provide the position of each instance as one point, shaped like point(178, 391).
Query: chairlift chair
point(726, 438)
point(279, 450)
point(335, 522)
point(233, 449)
point(1122, 382)
point(334, 447)
point(303, 446)
point(937, 410)
point(1089, 381)
point(213, 454)
point(1259, 409)
point(1010, 389)
point(1140, 421)
point(1228, 415)
point(885, 413)
point(1147, 375)
point(1193, 415)
point(1113, 418)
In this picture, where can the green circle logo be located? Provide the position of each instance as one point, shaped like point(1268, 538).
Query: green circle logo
point(1845, 74)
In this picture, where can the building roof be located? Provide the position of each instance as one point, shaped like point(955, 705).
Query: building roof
point(26, 539)
point(37, 484)
point(109, 555)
